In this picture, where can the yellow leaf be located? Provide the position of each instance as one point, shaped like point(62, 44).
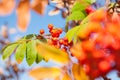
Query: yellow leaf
point(66, 77)
point(79, 73)
point(50, 52)
point(39, 6)
point(45, 72)
point(23, 14)
point(6, 7)
point(57, 78)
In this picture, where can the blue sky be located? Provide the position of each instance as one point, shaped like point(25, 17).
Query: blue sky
point(37, 22)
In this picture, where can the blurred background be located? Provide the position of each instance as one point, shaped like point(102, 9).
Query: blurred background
point(22, 17)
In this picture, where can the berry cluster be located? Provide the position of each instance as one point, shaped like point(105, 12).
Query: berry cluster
point(55, 40)
point(89, 10)
point(99, 49)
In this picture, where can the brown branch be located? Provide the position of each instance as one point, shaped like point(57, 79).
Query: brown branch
point(107, 3)
point(2, 42)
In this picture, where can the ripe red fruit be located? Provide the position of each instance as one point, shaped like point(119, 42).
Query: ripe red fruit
point(88, 45)
point(86, 68)
point(55, 35)
point(95, 73)
point(89, 10)
point(115, 17)
point(64, 49)
point(54, 39)
point(70, 43)
point(78, 52)
point(61, 41)
point(42, 31)
point(65, 43)
point(50, 26)
point(57, 46)
point(49, 41)
point(98, 53)
point(104, 66)
point(99, 15)
point(65, 39)
point(59, 30)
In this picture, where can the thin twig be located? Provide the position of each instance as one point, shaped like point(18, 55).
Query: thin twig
point(107, 3)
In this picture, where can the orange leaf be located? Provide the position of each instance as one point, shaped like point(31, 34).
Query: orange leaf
point(78, 52)
point(6, 7)
point(45, 72)
point(66, 77)
point(39, 6)
point(23, 14)
point(79, 73)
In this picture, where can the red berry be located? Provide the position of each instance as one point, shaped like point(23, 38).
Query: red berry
point(65, 39)
point(65, 43)
point(70, 43)
point(42, 31)
point(50, 31)
point(54, 39)
point(49, 41)
point(50, 26)
point(64, 49)
point(86, 68)
point(88, 45)
point(54, 33)
point(61, 41)
point(95, 73)
point(104, 66)
point(59, 30)
point(89, 10)
point(57, 46)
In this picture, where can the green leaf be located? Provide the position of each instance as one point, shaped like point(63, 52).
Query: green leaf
point(39, 58)
point(35, 36)
point(8, 50)
point(31, 52)
point(82, 28)
point(90, 1)
point(52, 53)
point(41, 38)
point(30, 36)
point(77, 15)
point(77, 11)
point(87, 19)
point(74, 32)
point(1, 51)
point(71, 34)
point(78, 7)
point(20, 52)
point(79, 30)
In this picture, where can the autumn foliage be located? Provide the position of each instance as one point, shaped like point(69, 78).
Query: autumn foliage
point(94, 42)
